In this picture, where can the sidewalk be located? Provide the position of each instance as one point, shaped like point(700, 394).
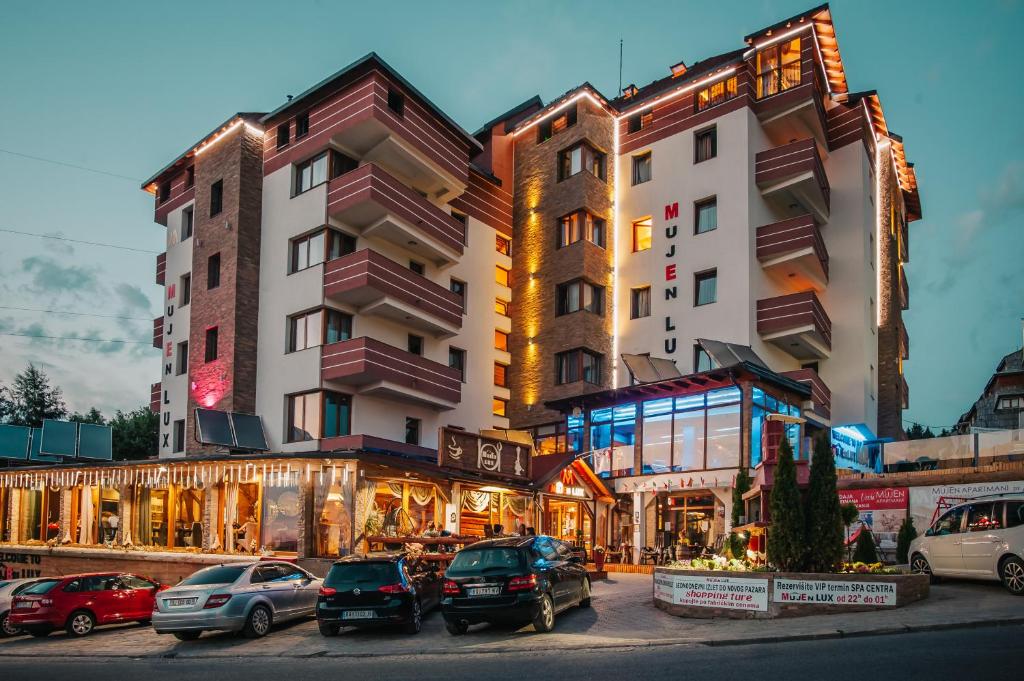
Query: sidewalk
point(622, 617)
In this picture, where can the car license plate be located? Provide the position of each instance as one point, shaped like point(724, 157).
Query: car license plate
point(179, 602)
point(23, 605)
point(358, 614)
point(485, 591)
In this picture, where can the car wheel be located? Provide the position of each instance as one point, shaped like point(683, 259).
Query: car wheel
point(81, 623)
point(456, 628)
point(919, 566)
point(544, 621)
point(187, 635)
point(585, 594)
point(415, 622)
point(1012, 573)
point(328, 629)
point(6, 628)
point(257, 624)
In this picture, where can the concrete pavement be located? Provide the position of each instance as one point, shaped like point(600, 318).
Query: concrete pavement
point(622, 617)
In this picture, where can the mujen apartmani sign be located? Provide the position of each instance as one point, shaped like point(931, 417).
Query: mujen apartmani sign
point(484, 455)
point(732, 593)
point(825, 592)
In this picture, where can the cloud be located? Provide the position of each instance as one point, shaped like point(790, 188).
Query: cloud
point(58, 246)
point(50, 276)
point(132, 297)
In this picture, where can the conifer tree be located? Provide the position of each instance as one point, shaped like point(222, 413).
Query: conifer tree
point(786, 534)
point(824, 518)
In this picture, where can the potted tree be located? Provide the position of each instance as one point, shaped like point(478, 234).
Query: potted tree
point(599, 558)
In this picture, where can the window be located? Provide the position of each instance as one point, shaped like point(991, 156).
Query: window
point(396, 101)
point(642, 168)
point(546, 129)
point(163, 191)
point(716, 93)
point(179, 437)
point(643, 231)
point(502, 275)
point(457, 361)
point(578, 158)
point(302, 125)
point(500, 375)
point(182, 358)
point(417, 267)
point(459, 289)
point(640, 302)
point(337, 414)
point(705, 215)
point(1011, 403)
point(412, 431)
point(983, 517)
point(949, 523)
point(499, 406)
point(778, 68)
point(503, 245)
point(638, 122)
point(1014, 513)
point(283, 134)
point(185, 290)
point(187, 222)
point(308, 250)
point(500, 340)
point(464, 224)
point(580, 225)
point(577, 365)
point(190, 177)
point(211, 345)
point(701, 360)
point(705, 145)
point(501, 307)
point(338, 244)
point(705, 286)
point(303, 417)
point(573, 296)
point(318, 327)
point(213, 271)
point(341, 164)
point(310, 173)
point(216, 197)
point(415, 344)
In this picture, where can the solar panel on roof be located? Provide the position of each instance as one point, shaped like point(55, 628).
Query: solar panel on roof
point(59, 438)
point(248, 431)
point(14, 442)
point(214, 428)
point(641, 368)
point(95, 442)
point(34, 448)
point(666, 368)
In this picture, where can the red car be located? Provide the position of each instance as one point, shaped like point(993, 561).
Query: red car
point(79, 603)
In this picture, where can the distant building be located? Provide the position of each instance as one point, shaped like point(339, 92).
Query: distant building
point(1001, 405)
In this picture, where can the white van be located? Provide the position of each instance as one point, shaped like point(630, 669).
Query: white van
point(981, 539)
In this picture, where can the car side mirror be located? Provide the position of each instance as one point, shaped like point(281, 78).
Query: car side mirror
point(929, 532)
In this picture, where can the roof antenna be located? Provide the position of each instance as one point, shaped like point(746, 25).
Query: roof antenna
point(620, 65)
point(289, 97)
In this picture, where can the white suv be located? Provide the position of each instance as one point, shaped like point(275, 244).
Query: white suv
point(982, 539)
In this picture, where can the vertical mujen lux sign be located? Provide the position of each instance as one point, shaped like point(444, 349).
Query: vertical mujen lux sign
point(483, 455)
point(671, 285)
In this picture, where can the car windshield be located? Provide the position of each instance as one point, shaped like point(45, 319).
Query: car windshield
point(42, 587)
point(475, 561)
point(218, 574)
point(348, 576)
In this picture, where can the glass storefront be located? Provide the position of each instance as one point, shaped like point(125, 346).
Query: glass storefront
point(281, 509)
point(762, 405)
point(188, 526)
point(613, 440)
point(333, 521)
point(152, 517)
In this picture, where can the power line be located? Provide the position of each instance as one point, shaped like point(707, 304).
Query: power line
point(925, 425)
point(79, 241)
point(80, 314)
point(72, 338)
point(69, 165)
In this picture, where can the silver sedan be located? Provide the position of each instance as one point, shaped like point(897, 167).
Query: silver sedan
point(245, 597)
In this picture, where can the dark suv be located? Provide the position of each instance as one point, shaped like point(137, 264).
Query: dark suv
point(517, 579)
point(375, 589)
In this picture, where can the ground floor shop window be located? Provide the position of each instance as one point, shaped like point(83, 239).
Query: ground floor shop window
point(334, 521)
point(241, 517)
point(30, 525)
point(5, 501)
point(282, 507)
point(107, 500)
point(152, 523)
point(188, 525)
point(570, 521)
point(689, 523)
point(613, 439)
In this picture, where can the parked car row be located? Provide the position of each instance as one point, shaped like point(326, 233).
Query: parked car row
point(510, 580)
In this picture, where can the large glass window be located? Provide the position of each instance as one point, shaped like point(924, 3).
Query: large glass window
point(311, 173)
point(640, 302)
point(642, 168)
point(313, 249)
point(613, 440)
point(723, 437)
point(577, 365)
point(716, 93)
point(693, 432)
point(577, 295)
point(643, 232)
point(188, 528)
point(30, 526)
point(657, 442)
point(580, 225)
point(778, 68)
point(705, 287)
point(152, 513)
point(303, 417)
point(705, 215)
point(764, 404)
point(578, 158)
point(282, 508)
point(334, 524)
point(318, 327)
point(337, 414)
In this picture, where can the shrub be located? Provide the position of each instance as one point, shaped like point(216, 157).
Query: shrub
point(786, 548)
point(907, 534)
point(824, 517)
point(865, 551)
point(742, 487)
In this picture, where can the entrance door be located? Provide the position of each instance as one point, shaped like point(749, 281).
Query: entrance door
point(982, 537)
point(944, 552)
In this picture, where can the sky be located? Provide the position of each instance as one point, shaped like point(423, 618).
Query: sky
point(124, 87)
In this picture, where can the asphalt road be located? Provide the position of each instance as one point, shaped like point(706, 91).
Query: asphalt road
point(982, 653)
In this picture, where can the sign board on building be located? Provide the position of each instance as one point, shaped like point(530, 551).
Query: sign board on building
point(826, 592)
point(925, 501)
point(731, 593)
point(882, 509)
point(486, 456)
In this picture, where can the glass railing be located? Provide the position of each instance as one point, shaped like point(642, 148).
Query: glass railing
point(778, 79)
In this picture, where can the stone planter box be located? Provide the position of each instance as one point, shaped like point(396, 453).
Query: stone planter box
point(767, 595)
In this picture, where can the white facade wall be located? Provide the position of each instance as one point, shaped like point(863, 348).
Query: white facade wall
point(176, 330)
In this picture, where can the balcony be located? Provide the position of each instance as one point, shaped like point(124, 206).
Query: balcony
point(794, 250)
point(904, 340)
point(796, 323)
point(161, 268)
point(158, 332)
point(377, 285)
point(904, 290)
point(793, 174)
point(376, 368)
point(790, 103)
point(155, 391)
point(904, 392)
point(821, 396)
point(372, 201)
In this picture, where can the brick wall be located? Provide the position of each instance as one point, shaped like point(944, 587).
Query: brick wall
point(539, 201)
point(887, 370)
point(229, 382)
